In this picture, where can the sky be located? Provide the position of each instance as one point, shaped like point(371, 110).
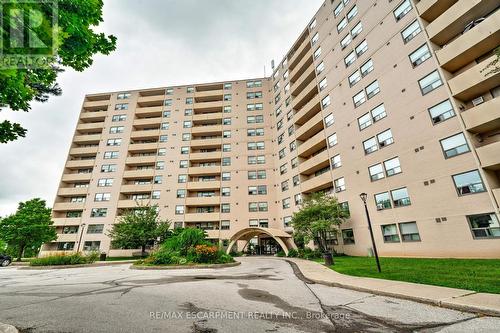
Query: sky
point(160, 43)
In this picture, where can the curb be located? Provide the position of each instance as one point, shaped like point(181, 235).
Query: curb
point(97, 264)
point(445, 303)
point(4, 328)
point(202, 266)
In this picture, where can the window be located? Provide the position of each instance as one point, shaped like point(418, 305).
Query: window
point(102, 197)
point(228, 86)
point(378, 113)
point(254, 84)
point(339, 184)
point(226, 121)
point(312, 25)
point(226, 134)
point(166, 114)
point(400, 197)
point(298, 199)
point(169, 91)
point(114, 142)
point(183, 164)
point(188, 112)
point(123, 96)
point(110, 155)
point(338, 9)
point(352, 13)
point(372, 90)
point(383, 201)
point(420, 55)
point(226, 161)
point(323, 84)
point(366, 68)
point(91, 246)
point(294, 162)
point(98, 212)
point(95, 228)
point(189, 100)
point(347, 236)
point(227, 97)
point(253, 223)
point(441, 112)
point(354, 78)
point(402, 10)
point(119, 117)
point(263, 223)
point(284, 186)
point(484, 225)
point(409, 232)
point(179, 209)
point(430, 82)
point(227, 109)
point(163, 138)
point(287, 221)
point(293, 146)
point(162, 151)
point(105, 182)
point(181, 193)
point(411, 31)
point(454, 145)
point(329, 120)
point(262, 189)
point(359, 98)
point(285, 75)
point(281, 153)
point(320, 68)
point(351, 57)
point(165, 126)
point(70, 230)
point(184, 150)
point(364, 121)
point(261, 174)
point(296, 180)
point(225, 225)
point(332, 140)
point(361, 48)
point(226, 147)
point(336, 162)
point(226, 176)
point(356, 30)
point(116, 129)
point(316, 55)
point(385, 138)
point(123, 106)
point(469, 183)
point(325, 102)
point(390, 233)
point(376, 172)
point(158, 179)
point(315, 38)
point(226, 191)
point(392, 167)
point(160, 165)
point(190, 90)
point(108, 168)
point(286, 203)
point(168, 102)
point(345, 41)
point(225, 208)
point(182, 179)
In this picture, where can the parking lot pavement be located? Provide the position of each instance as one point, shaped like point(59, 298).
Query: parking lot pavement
point(261, 295)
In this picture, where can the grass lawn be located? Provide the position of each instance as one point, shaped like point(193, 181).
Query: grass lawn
point(481, 275)
point(122, 258)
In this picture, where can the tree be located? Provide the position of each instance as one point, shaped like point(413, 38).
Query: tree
point(29, 227)
point(494, 65)
point(139, 228)
point(74, 46)
point(318, 218)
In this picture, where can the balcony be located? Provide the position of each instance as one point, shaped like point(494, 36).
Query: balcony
point(304, 79)
point(453, 22)
point(209, 185)
point(65, 206)
point(471, 45)
point(203, 201)
point(72, 191)
point(148, 173)
point(94, 116)
point(136, 160)
point(310, 128)
point(148, 121)
point(103, 105)
point(212, 156)
point(312, 145)
point(147, 134)
point(483, 118)
point(307, 111)
point(216, 93)
point(315, 163)
point(153, 98)
point(149, 111)
point(317, 183)
point(207, 130)
point(305, 96)
point(206, 143)
point(489, 156)
point(76, 177)
point(136, 188)
point(80, 164)
point(67, 237)
point(63, 221)
point(211, 170)
point(496, 194)
point(208, 117)
point(83, 151)
point(89, 126)
point(299, 53)
point(207, 107)
point(87, 139)
point(429, 10)
point(128, 204)
point(143, 147)
point(305, 63)
point(201, 217)
point(473, 82)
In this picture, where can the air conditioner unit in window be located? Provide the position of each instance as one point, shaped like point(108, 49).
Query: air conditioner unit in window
point(477, 101)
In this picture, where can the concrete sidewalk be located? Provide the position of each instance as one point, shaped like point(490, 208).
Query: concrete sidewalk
point(458, 299)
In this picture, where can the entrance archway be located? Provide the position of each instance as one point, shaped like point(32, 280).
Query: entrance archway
point(284, 239)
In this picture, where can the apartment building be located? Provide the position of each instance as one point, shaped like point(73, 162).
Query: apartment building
point(390, 98)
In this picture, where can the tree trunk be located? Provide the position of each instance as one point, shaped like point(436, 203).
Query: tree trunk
point(20, 252)
point(143, 251)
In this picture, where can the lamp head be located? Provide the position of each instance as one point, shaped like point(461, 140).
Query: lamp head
point(363, 197)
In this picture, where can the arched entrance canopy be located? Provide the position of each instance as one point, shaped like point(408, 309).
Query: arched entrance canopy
point(284, 239)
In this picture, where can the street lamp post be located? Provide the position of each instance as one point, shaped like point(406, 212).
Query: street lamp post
point(363, 197)
point(80, 241)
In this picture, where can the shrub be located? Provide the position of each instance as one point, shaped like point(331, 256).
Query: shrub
point(206, 253)
point(235, 254)
point(280, 253)
point(292, 253)
point(309, 254)
point(185, 239)
point(65, 259)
